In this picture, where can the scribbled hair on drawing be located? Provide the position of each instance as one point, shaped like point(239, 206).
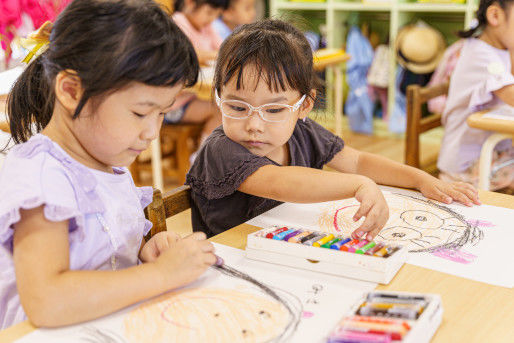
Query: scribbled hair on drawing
point(422, 225)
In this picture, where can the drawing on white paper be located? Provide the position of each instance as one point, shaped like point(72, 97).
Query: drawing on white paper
point(421, 225)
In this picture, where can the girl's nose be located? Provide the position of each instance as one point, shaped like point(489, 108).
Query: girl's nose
point(255, 122)
point(152, 128)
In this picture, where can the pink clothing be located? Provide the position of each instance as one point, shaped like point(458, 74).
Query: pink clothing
point(443, 73)
point(38, 10)
point(106, 222)
point(206, 39)
point(480, 70)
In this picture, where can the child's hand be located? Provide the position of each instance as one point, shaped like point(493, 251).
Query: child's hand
point(373, 207)
point(156, 245)
point(436, 189)
point(185, 260)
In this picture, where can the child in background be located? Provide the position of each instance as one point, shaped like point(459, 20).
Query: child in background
point(195, 17)
point(71, 219)
point(263, 154)
point(239, 12)
point(483, 78)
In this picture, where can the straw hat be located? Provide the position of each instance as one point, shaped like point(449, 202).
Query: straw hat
point(419, 48)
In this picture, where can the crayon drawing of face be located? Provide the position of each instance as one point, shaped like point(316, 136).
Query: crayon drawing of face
point(421, 225)
point(207, 315)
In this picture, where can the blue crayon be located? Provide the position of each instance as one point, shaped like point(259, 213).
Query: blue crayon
point(280, 236)
point(339, 244)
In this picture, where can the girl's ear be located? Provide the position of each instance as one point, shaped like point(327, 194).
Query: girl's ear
point(495, 15)
point(68, 90)
point(307, 105)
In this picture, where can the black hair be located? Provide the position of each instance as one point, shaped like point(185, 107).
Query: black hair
point(280, 53)
point(108, 44)
point(482, 18)
point(223, 4)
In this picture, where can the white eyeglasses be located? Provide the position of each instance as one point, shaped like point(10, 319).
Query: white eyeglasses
point(273, 113)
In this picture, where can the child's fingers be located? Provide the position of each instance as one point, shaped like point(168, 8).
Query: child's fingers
point(459, 196)
point(470, 191)
point(364, 208)
point(198, 236)
point(172, 237)
point(472, 196)
point(438, 195)
point(210, 259)
point(206, 247)
point(368, 225)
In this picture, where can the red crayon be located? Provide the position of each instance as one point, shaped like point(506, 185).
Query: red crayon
point(349, 244)
point(273, 233)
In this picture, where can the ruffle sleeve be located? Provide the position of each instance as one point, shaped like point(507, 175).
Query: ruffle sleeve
point(222, 166)
point(36, 174)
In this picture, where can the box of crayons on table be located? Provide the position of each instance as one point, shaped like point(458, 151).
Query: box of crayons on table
point(384, 317)
point(327, 253)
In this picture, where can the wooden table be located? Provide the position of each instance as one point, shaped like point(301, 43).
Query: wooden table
point(503, 129)
point(473, 311)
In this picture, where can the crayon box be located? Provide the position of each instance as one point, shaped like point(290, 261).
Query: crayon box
point(354, 259)
point(390, 317)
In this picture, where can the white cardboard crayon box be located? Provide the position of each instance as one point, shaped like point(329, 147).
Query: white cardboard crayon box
point(324, 260)
point(383, 327)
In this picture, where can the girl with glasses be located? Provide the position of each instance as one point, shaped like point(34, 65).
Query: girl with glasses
point(268, 151)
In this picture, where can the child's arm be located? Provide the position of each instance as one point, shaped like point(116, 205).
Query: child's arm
point(53, 295)
point(307, 185)
point(387, 172)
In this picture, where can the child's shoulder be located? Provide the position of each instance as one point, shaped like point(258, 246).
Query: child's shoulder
point(221, 166)
point(475, 52)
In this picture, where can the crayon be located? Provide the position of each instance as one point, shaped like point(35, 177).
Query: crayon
point(360, 337)
point(395, 296)
point(297, 238)
point(292, 234)
point(391, 250)
point(274, 232)
point(374, 249)
point(316, 238)
point(365, 248)
point(354, 247)
point(422, 303)
point(308, 237)
point(332, 242)
point(322, 241)
point(381, 253)
point(379, 320)
point(389, 328)
point(348, 245)
point(394, 311)
point(281, 235)
point(339, 244)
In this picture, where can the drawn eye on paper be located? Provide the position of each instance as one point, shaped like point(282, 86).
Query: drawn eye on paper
point(421, 225)
point(208, 315)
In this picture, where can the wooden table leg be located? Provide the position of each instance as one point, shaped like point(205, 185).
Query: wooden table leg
point(486, 157)
point(157, 164)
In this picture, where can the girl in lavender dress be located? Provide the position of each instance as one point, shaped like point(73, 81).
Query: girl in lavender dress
point(71, 218)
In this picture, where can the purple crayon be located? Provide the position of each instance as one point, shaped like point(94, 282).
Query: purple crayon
point(292, 234)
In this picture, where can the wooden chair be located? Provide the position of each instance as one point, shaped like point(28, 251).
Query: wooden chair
point(165, 206)
point(416, 124)
point(178, 142)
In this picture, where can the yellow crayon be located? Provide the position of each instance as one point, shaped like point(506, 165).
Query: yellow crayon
point(324, 240)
